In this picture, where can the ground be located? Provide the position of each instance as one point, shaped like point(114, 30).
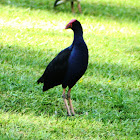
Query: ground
point(106, 98)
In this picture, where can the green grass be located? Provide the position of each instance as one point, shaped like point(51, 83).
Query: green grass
point(106, 99)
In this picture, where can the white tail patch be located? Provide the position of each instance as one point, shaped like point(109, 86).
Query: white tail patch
point(59, 2)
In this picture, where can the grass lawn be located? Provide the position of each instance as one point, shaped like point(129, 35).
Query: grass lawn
point(106, 99)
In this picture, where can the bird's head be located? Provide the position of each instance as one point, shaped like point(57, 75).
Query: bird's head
point(74, 25)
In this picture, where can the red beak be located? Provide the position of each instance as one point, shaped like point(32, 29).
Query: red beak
point(69, 25)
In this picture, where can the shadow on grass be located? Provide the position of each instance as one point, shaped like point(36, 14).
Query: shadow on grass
point(114, 71)
point(104, 10)
point(20, 93)
point(17, 55)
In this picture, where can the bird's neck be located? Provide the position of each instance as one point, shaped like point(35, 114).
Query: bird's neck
point(78, 35)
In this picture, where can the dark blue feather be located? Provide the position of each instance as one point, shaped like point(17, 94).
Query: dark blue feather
point(69, 65)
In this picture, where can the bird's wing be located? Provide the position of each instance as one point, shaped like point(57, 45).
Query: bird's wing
point(56, 69)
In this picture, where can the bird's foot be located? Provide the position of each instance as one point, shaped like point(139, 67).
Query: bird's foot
point(68, 114)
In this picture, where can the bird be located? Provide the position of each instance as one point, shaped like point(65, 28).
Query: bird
point(58, 2)
point(68, 66)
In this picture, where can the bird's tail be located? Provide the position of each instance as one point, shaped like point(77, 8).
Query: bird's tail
point(57, 2)
point(40, 80)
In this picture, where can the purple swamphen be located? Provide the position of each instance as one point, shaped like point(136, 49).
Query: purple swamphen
point(68, 66)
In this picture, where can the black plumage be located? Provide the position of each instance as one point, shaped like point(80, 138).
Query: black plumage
point(56, 70)
point(69, 65)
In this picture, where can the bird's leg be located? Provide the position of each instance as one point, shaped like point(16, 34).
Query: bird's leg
point(72, 6)
point(65, 101)
point(70, 102)
point(79, 7)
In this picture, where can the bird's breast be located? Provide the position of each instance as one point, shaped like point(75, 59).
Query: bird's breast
point(78, 61)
